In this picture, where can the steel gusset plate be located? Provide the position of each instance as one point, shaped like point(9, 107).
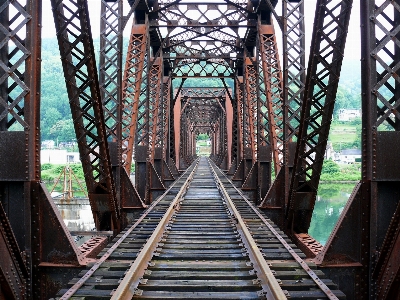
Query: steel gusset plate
point(327, 47)
point(77, 54)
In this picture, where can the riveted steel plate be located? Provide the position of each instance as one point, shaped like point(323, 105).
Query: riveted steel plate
point(12, 156)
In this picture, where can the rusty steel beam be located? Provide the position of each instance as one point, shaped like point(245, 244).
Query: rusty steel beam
point(33, 231)
point(110, 74)
point(271, 104)
point(19, 142)
point(326, 55)
point(156, 108)
point(293, 80)
point(13, 270)
point(80, 71)
point(132, 89)
point(370, 219)
point(386, 272)
point(111, 86)
point(156, 183)
point(250, 97)
point(168, 170)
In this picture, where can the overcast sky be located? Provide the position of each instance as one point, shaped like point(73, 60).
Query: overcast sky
point(353, 43)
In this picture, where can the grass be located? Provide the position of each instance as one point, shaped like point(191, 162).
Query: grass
point(342, 133)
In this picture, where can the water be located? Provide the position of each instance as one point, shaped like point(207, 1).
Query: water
point(331, 199)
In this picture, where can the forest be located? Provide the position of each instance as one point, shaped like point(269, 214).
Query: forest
point(56, 120)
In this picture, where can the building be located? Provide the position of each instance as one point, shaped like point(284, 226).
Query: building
point(349, 114)
point(348, 156)
point(58, 157)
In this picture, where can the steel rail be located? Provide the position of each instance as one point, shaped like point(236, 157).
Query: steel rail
point(68, 294)
point(128, 285)
point(268, 282)
point(298, 259)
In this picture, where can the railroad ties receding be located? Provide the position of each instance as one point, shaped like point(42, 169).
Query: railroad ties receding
point(203, 252)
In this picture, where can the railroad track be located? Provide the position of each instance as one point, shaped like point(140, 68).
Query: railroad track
point(208, 242)
point(102, 277)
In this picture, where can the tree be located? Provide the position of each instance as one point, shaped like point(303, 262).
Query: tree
point(63, 130)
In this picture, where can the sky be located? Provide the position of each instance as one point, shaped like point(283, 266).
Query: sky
point(353, 44)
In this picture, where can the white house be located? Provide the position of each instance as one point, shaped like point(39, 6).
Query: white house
point(348, 156)
point(349, 114)
point(58, 157)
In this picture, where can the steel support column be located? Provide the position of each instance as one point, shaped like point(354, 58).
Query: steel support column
point(80, 71)
point(362, 252)
point(327, 47)
point(32, 232)
point(249, 121)
point(237, 145)
point(155, 184)
point(293, 80)
point(111, 22)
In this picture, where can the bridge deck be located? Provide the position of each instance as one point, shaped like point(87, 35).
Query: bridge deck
point(190, 245)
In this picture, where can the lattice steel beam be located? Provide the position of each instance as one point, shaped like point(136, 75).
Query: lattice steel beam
point(155, 106)
point(111, 68)
point(329, 37)
point(133, 89)
point(293, 81)
point(270, 110)
point(77, 53)
point(251, 105)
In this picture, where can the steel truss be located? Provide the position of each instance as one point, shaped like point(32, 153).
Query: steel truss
point(149, 115)
point(77, 55)
point(293, 81)
point(33, 234)
point(370, 219)
point(327, 47)
point(110, 80)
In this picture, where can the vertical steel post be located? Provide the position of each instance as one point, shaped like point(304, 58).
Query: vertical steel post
point(293, 92)
point(325, 62)
point(80, 71)
point(370, 220)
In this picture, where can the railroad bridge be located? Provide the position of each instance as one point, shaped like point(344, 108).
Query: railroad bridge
point(190, 227)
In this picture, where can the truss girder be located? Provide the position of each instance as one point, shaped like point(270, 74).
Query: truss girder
point(166, 117)
point(250, 96)
point(133, 89)
point(155, 106)
point(80, 71)
point(294, 74)
point(326, 55)
point(111, 67)
point(270, 108)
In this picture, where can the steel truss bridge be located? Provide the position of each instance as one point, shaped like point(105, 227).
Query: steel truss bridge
point(266, 113)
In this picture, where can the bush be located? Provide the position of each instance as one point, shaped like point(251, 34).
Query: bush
point(46, 167)
point(330, 167)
